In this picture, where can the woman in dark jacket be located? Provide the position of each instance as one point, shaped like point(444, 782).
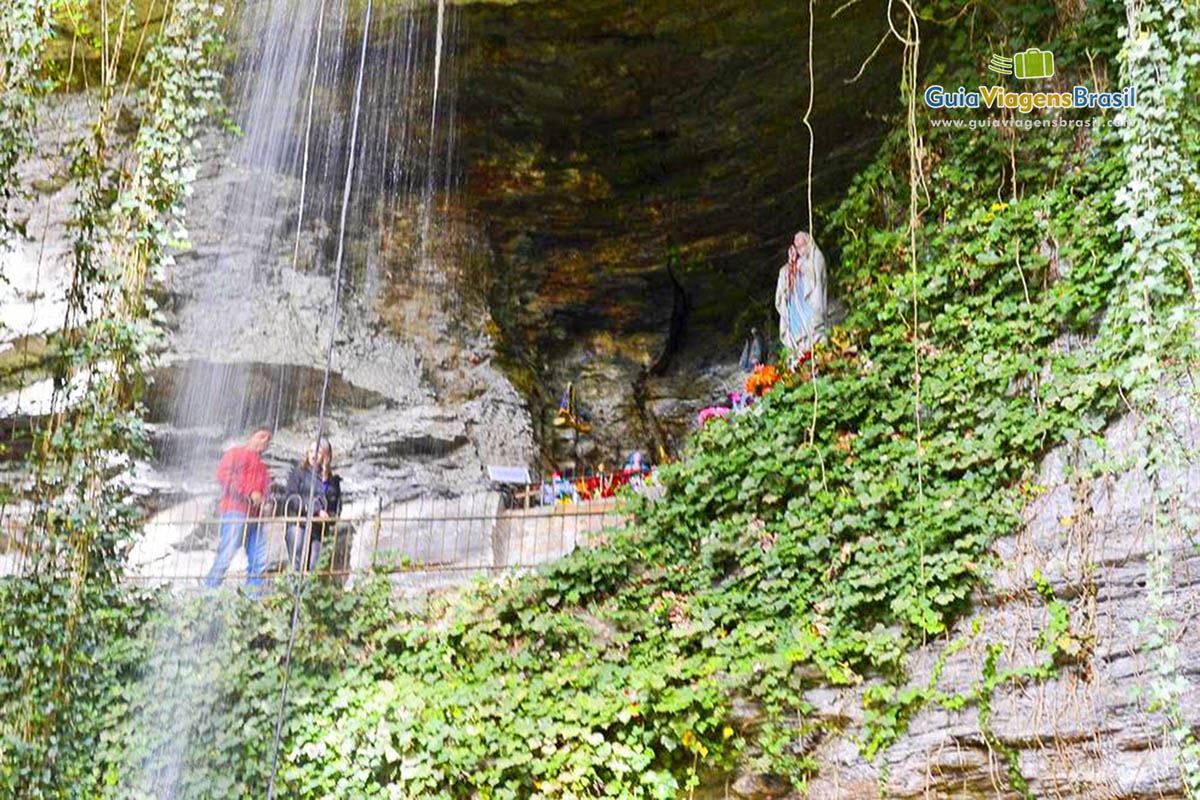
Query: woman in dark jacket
point(325, 488)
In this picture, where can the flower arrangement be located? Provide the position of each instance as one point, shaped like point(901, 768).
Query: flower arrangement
point(763, 378)
point(712, 412)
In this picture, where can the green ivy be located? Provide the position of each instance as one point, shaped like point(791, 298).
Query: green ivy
point(1155, 326)
point(104, 656)
point(791, 549)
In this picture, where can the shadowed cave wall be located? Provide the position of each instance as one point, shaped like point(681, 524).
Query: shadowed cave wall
point(610, 145)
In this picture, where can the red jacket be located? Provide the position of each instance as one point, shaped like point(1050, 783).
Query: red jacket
point(241, 473)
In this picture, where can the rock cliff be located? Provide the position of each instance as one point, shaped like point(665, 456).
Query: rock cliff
point(407, 413)
point(624, 170)
point(1093, 731)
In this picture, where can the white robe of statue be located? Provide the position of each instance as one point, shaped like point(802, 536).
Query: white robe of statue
point(800, 296)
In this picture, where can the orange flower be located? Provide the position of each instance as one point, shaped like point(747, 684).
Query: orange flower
point(764, 377)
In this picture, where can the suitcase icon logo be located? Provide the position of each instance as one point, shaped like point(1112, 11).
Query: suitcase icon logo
point(1034, 63)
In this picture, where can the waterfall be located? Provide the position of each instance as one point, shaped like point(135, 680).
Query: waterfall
point(310, 189)
point(175, 698)
point(266, 298)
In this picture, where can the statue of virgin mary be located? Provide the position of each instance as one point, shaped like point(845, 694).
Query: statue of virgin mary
point(800, 296)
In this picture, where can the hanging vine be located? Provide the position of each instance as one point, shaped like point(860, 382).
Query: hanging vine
point(24, 28)
point(1154, 328)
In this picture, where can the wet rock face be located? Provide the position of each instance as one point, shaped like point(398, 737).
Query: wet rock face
point(606, 141)
point(416, 403)
point(758, 787)
point(1091, 731)
point(254, 393)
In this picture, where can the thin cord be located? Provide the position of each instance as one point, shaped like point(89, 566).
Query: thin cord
point(912, 52)
point(429, 180)
point(337, 286)
point(812, 254)
point(807, 116)
point(912, 49)
point(312, 91)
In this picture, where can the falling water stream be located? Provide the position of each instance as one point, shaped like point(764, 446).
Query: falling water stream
point(344, 142)
point(270, 290)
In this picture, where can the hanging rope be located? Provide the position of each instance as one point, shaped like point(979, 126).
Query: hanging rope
point(427, 211)
point(298, 593)
point(812, 428)
point(312, 92)
point(912, 52)
point(916, 177)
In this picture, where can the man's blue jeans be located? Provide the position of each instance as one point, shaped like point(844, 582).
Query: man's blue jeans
point(235, 532)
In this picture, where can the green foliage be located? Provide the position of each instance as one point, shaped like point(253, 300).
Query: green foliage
point(808, 541)
point(1156, 318)
point(451, 702)
point(101, 656)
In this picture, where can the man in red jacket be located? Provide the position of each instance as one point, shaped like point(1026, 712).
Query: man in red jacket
point(244, 485)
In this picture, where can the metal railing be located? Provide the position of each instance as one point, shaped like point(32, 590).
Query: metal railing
point(423, 540)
